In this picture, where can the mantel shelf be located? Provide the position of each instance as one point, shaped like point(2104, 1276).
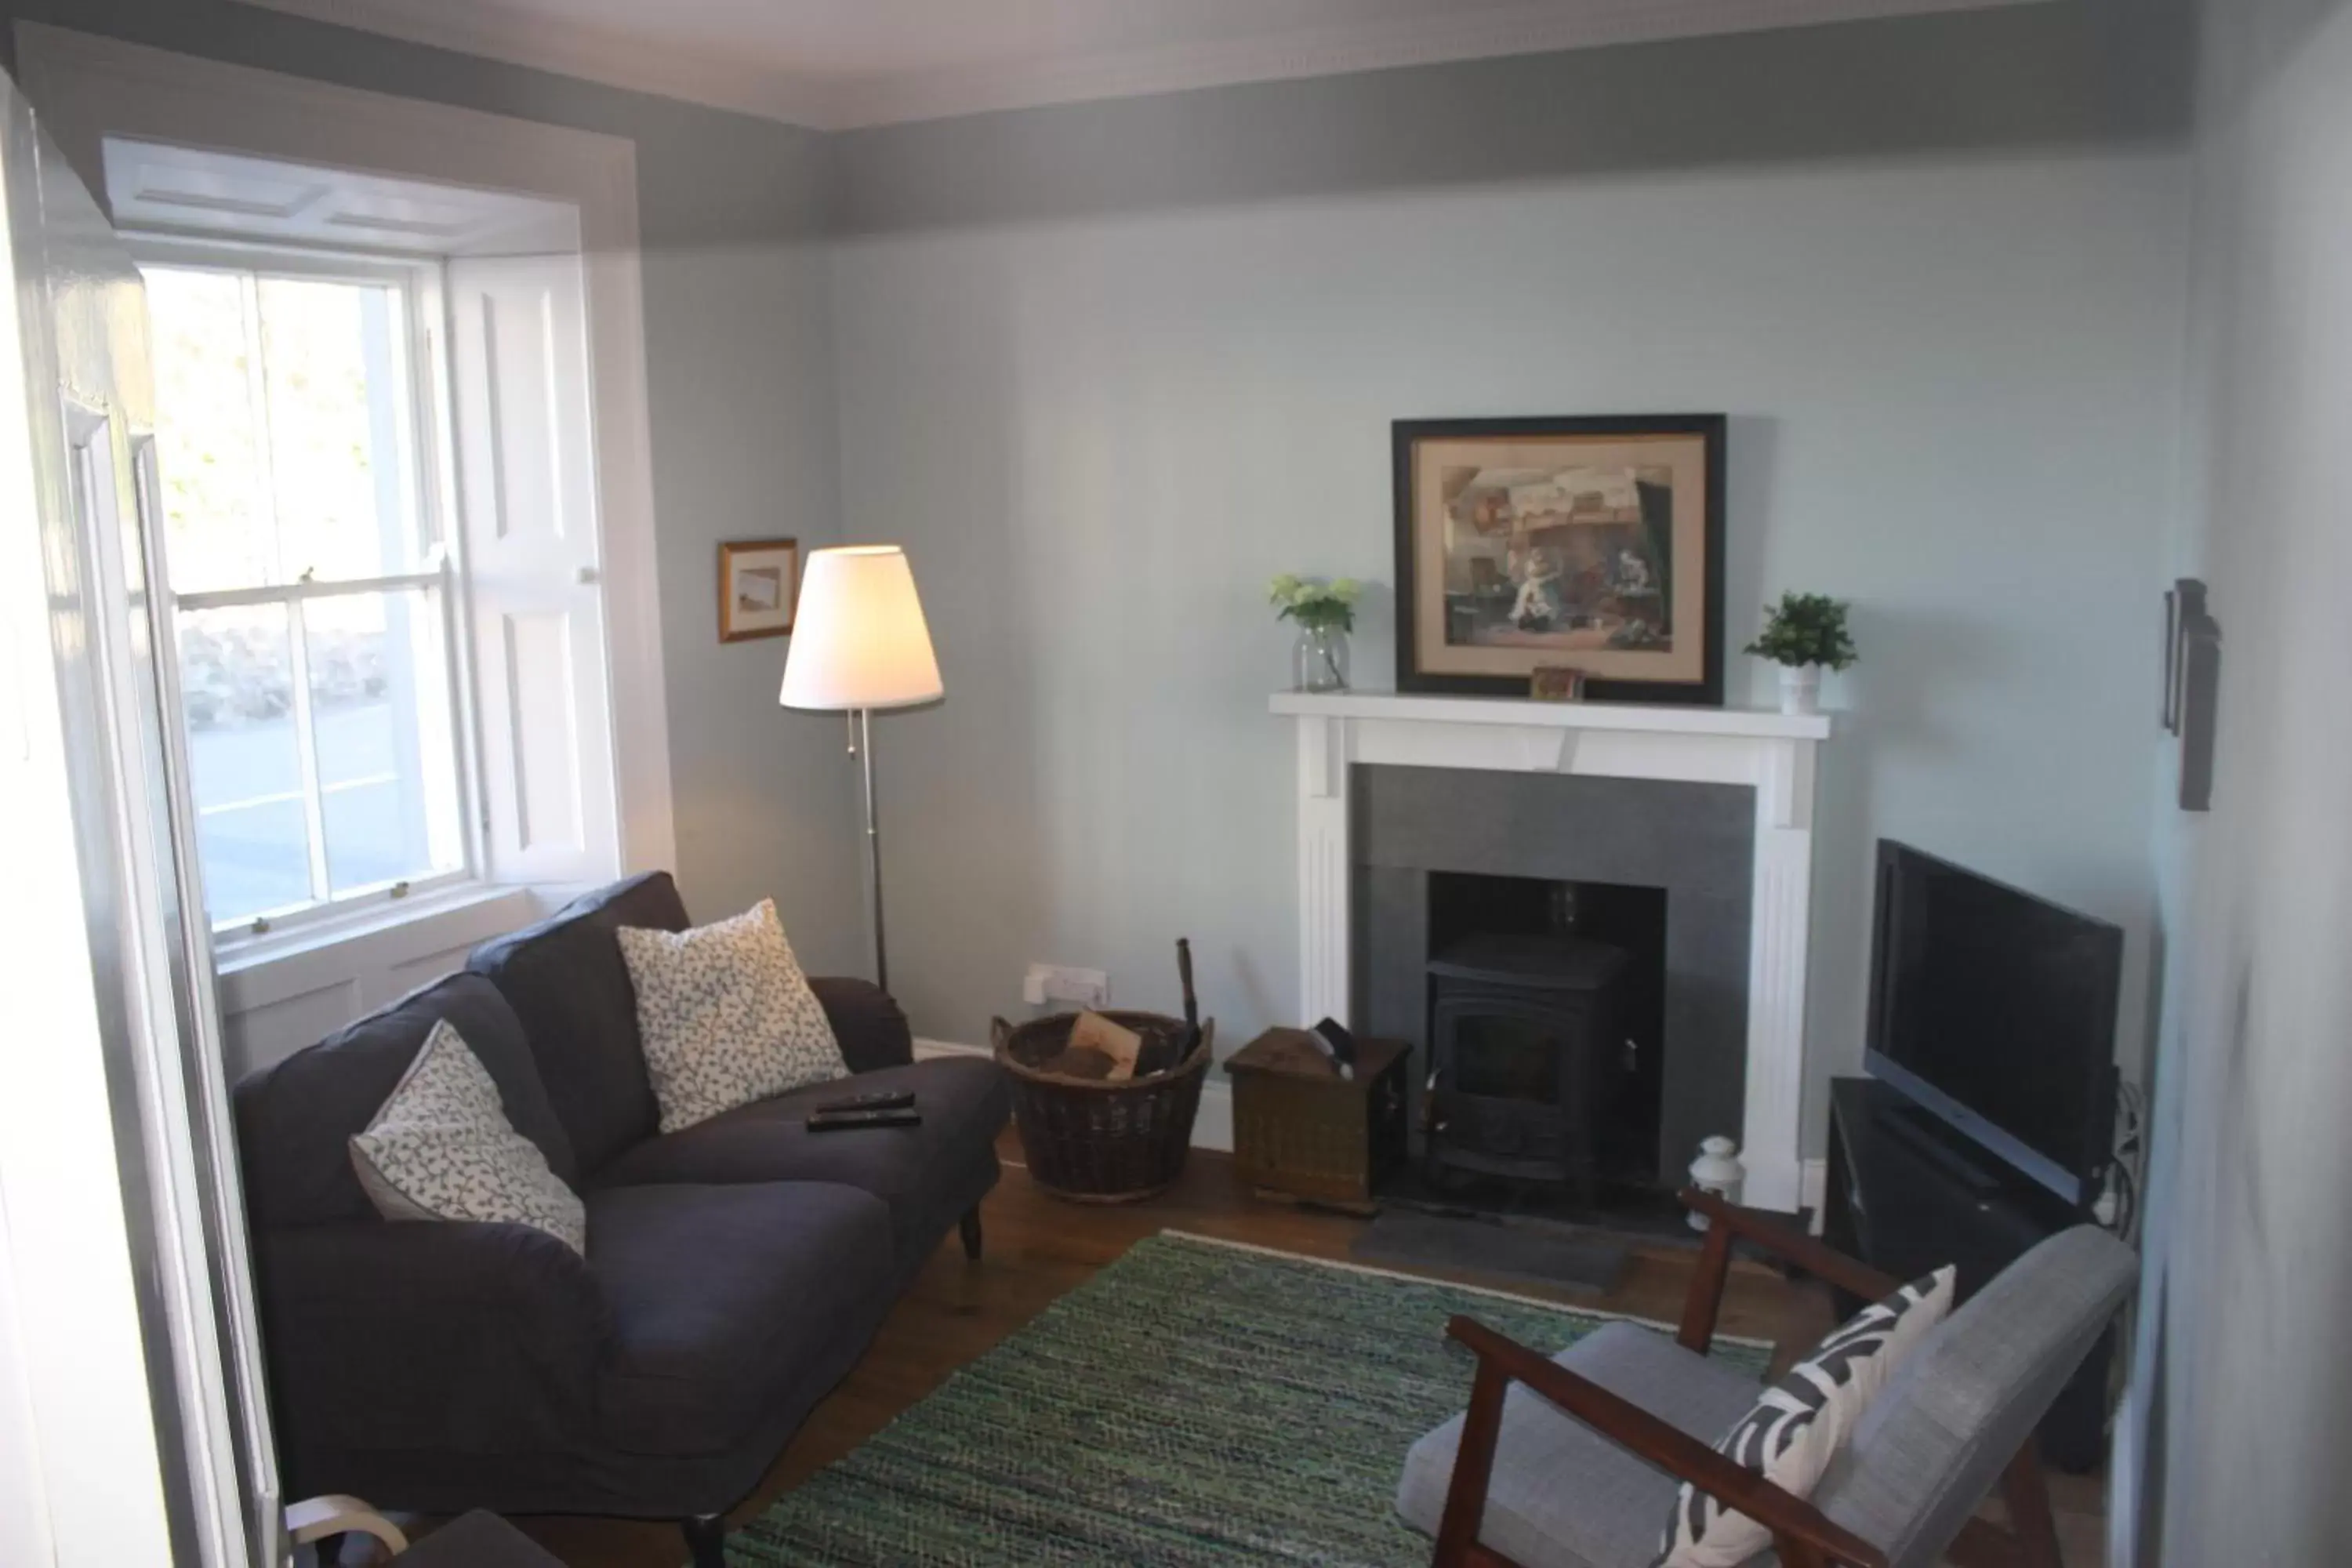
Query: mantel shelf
point(1747, 724)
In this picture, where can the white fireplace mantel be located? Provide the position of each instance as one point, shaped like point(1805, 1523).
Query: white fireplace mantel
point(1771, 752)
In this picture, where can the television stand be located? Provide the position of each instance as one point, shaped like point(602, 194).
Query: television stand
point(1907, 1196)
point(1939, 1146)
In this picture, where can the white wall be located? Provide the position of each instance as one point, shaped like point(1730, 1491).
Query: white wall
point(1952, 381)
point(2241, 1411)
point(744, 432)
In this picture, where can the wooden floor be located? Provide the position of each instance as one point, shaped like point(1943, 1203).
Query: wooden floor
point(1038, 1247)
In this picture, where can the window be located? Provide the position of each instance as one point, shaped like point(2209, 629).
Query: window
point(312, 575)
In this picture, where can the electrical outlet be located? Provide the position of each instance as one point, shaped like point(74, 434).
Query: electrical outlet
point(1058, 982)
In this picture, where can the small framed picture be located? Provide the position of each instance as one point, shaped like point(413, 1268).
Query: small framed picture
point(759, 584)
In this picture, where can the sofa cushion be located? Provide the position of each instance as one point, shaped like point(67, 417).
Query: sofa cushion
point(295, 1119)
point(1562, 1496)
point(565, 980)
point(721, 1295)
point(725, 1015)
point(441, 1149)
point(867, 1023)
point(921, 1171)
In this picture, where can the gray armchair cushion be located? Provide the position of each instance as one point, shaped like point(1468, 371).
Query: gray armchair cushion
point(1955, 1414)
point(1563, 1496)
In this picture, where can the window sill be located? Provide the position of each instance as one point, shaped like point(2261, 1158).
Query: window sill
point(434, 917)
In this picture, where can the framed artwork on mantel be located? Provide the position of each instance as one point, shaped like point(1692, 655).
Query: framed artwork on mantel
point(759, 585)
point(1592, 544)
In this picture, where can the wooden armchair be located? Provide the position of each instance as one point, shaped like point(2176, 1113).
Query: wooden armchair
point(2025, 1329)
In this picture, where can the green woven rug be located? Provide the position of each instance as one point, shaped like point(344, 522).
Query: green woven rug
point(1193, 1403)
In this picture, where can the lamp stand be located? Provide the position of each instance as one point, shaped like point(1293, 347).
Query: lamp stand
point(861, 746)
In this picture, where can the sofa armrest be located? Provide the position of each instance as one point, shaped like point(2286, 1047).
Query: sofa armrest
point(448, 1337)
point(873, 1032)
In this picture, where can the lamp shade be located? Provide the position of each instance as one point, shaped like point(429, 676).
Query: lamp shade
point(858, 635)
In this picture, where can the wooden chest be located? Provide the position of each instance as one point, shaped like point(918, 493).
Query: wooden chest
point(1301, 1130)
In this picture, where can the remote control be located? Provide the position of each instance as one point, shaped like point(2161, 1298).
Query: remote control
point(880, 1100)
point(822, 1121)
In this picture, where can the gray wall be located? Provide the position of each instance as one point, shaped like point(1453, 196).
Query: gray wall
point(1105, 369)
point(739, 352)
point(2233, 1441)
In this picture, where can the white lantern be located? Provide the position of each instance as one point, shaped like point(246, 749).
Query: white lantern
point(1717, 1170)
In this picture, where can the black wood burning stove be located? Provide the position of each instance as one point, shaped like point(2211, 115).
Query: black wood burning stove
point(1521, 1031)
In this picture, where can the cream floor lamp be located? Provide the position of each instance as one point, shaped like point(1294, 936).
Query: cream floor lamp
point(860, 646)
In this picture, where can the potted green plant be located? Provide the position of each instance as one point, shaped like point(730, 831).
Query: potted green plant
point(1803, 634)
point(1326, 613)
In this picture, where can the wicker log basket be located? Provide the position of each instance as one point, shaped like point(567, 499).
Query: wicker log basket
point(1097, 1142)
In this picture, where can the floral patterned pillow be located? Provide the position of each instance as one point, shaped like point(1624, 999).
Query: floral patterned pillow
point(727, 1015)
point(442, 1148)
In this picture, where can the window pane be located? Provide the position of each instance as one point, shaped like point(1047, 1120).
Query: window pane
point(237, 676)
point(338, 428)
point(286, 428)
point(385, 737)
point(217, 523)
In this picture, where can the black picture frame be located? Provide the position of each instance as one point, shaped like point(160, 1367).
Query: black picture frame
point(1406, 434)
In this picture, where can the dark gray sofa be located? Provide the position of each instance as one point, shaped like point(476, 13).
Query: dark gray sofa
point(735, 1272)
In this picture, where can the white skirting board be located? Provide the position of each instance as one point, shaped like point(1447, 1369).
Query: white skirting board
point(1212, 1128)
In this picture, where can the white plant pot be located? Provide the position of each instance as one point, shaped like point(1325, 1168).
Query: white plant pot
point(1801, 689)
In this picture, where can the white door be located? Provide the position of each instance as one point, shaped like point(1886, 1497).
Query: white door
point(127, 1351)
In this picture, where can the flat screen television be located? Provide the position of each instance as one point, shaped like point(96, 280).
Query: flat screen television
point(1995, 1012)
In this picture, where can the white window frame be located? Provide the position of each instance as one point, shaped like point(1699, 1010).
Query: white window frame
point(422, 287)
point(281, 993)
point(92, 89)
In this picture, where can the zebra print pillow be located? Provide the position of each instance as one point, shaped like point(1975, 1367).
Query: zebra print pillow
point(1796, 1426)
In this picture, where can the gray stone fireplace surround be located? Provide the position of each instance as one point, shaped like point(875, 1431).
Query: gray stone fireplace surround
point(1696, 841)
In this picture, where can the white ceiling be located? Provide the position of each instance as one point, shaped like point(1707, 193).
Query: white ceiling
point(835, 64)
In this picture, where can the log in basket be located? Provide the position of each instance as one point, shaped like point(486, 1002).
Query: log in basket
point(1094, 1141)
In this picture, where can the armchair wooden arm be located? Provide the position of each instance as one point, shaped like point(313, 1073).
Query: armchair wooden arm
point(1727, 1224)
point(1802, 1535)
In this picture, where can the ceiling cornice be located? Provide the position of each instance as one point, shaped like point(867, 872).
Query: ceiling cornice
point(780, 92)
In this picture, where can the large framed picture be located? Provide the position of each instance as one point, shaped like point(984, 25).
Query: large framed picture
point(1592, 544)
point(759, 585)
